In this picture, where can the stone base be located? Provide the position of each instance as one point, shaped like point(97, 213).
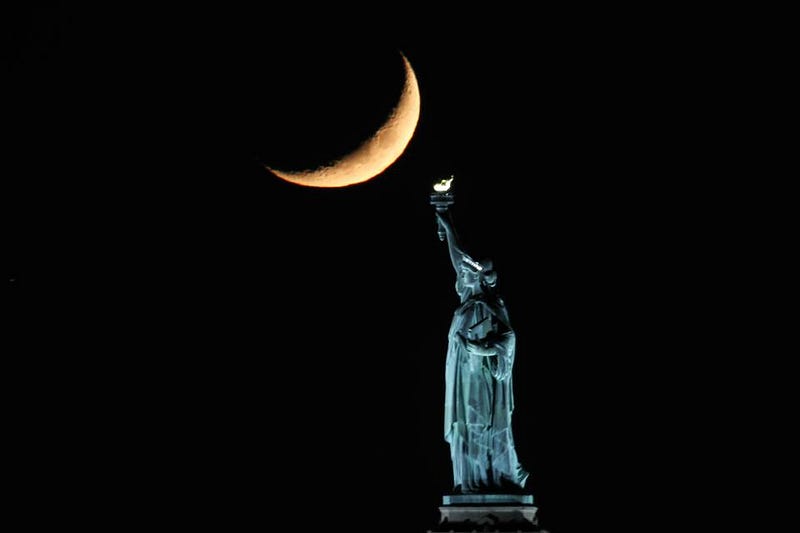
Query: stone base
point(487, 513)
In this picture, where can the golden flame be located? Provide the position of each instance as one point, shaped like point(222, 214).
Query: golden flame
point(443, 185)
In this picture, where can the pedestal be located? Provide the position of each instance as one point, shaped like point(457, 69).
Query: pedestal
point(487, 513)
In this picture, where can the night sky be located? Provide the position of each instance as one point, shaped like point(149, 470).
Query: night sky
point(203, 338)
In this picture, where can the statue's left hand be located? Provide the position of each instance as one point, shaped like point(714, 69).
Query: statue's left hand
point(481, 347)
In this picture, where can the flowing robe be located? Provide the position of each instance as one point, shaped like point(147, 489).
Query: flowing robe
point(479, 395)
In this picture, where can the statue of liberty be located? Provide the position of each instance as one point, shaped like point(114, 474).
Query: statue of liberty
point(478, 372)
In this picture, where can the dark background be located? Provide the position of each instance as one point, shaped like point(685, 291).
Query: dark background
point(200, 337)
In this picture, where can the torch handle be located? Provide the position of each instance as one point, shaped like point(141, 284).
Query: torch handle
point(441, 201)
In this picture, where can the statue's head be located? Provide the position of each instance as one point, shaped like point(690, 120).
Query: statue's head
point(475, 276)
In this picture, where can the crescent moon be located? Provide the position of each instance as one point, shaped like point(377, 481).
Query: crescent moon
point(375, 154)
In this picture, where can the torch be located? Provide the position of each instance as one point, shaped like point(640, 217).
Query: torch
point(442, 198)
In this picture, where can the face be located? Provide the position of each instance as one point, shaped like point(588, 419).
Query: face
point(469, 277)
point(468, 283)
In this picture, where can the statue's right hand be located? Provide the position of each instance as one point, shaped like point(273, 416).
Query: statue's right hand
point(441, 231)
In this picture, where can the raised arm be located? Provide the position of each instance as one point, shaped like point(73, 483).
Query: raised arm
point(453, 246)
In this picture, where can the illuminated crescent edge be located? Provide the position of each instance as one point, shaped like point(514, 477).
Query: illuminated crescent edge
point(375, 154)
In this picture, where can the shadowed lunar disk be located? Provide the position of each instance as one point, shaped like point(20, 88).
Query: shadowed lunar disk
point(375, 154)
